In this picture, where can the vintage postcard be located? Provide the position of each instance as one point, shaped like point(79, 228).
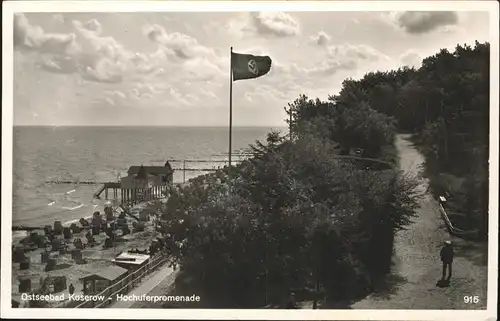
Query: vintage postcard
point(260, 160)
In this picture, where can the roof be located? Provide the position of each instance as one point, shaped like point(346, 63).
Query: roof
point(142, 174)
point(131, 258)
point(154, 170)
point(111, 273)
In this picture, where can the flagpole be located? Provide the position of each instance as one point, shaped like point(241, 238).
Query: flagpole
point(230, 107)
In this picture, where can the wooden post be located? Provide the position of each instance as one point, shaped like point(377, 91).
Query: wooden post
point(184, 171)
point(106, 191)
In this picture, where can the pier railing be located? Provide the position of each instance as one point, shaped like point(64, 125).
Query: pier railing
point(182, 165)
point(126, 284)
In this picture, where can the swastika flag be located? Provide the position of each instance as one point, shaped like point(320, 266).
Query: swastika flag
point(245, 66)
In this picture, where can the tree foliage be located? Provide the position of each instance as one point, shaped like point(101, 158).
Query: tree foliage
point(292, 217)
point(446, 104)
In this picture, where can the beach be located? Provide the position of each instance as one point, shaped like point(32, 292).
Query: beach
point(97, 258)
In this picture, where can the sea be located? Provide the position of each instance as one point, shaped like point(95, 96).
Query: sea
point(45, 154)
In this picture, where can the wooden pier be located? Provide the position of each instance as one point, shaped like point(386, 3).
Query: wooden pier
point(114, 186)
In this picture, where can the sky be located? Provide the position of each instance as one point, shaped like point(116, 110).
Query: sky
point(172, 69)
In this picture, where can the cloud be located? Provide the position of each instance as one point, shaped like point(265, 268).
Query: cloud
point(110, 101)
point(93, 48)
point(278, 24)
point(272, 24)
point(356, 52)
point(85, 52)
point(116, 93)
point(316, 78)
point(92, 25)
point(420, 22)
point(320, 39)
point(197, 62)
point(58, 17)
point(333, 66)
point(29, 37)
point(209, 94)
point(411, 59)
point(291, 77)
point(180, 45)
point(58, 64)
point(102, 72)
point(150, 88)
point(98, 58)
point(347, 57)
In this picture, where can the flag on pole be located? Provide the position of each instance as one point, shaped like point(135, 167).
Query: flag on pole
point(245, 66)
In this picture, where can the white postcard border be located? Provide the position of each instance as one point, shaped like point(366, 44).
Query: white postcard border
point(11, 7)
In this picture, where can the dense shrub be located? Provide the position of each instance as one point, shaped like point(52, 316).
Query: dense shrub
point(291, 217)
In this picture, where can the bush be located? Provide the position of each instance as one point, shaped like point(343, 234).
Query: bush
point(290, 217)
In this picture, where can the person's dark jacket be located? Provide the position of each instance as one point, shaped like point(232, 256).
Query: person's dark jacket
point(447, 254)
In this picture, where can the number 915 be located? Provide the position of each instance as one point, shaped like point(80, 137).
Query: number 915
point(471, 299)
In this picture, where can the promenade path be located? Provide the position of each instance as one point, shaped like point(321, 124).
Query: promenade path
point(417, 268)
point(164, 275)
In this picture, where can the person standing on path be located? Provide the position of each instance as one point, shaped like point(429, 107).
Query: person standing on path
point(447, 258)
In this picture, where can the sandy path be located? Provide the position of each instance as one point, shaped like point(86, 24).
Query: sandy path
point(417, 268)
point(163, 286)
point(154, 281)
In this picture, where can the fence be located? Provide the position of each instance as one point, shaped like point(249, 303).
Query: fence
point(184, 162)
point(469, 234)
point(126, 284)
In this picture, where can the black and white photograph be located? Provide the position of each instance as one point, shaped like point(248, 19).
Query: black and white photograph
point(254, 160)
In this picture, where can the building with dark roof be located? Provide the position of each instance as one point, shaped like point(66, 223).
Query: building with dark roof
point(146, 182)
point(165, 172)
point(97, 282)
